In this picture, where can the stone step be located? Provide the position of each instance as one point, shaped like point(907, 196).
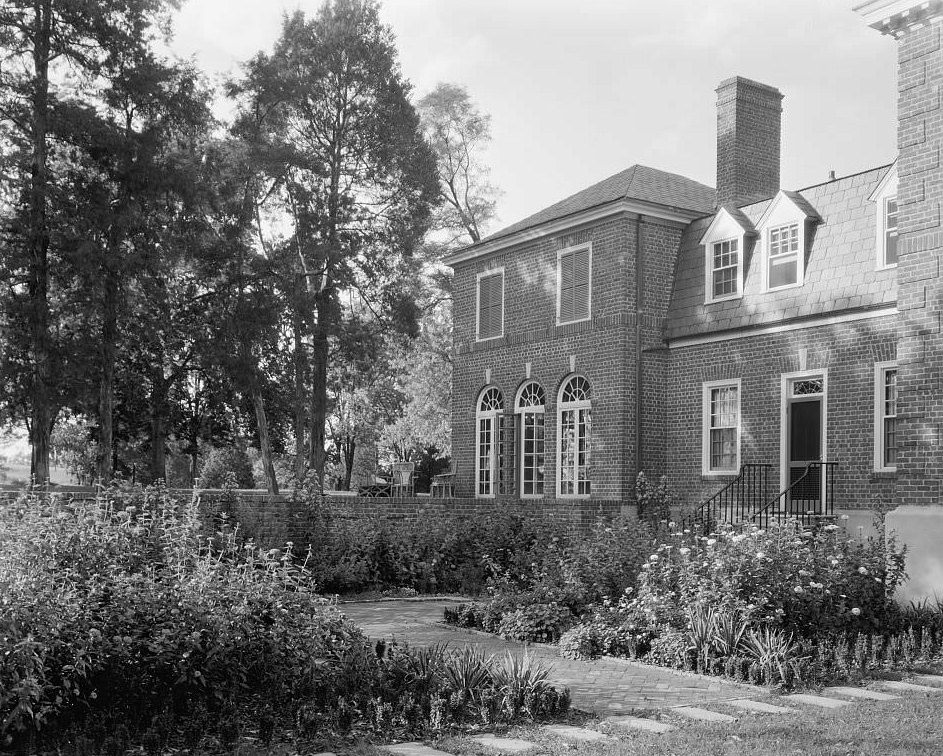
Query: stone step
point(702, 715)
point(871, 695)
point(412, 749)
point(504, 745)
point(759, 707)
point(909, 687)
point(577, 734)
point(637, 723)
point(811, 700)
point(933, 680)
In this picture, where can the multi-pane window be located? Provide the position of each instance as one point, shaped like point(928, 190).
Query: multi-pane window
point(721, 427)
point(575, 436)
point(573, 284)
point(530, 407)
point(783, 258)
point(490, 305)
point(885, 416)
point(488, 413)
point(890, 231)
point(725, 269)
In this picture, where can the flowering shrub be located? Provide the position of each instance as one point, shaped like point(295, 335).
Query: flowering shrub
point(805, 582)
point(119, 620)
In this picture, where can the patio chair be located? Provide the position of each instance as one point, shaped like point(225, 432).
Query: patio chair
point(443, 485)
point(403, 482)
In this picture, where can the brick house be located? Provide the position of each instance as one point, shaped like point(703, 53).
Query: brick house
point(651, 323)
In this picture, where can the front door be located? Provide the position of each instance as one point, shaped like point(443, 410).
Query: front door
point(803, 440)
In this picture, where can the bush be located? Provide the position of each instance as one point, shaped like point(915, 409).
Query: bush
point(227, 467)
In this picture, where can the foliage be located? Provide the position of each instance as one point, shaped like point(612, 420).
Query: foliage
point(120, 620)
point(227, 467)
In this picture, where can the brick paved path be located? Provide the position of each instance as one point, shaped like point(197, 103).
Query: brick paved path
point(602, 686)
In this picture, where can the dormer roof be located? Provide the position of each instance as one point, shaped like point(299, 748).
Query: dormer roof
point(726, 216)
point(802, 207)
point(884, 185)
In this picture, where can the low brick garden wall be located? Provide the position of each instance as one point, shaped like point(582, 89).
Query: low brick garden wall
point(271, 521)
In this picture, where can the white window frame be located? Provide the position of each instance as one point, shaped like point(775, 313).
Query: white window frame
point(562, 407)
point(880, 383)
point(884, 191)
point(523, 412)
point(706, 388)
point(799, 254)
point(493, 417)
point(487, 274)
point(589, 304)
point(709, 270)
point(883, 264)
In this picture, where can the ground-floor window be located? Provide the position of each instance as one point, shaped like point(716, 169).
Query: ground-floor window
point(490, 404)
point(575, 431)
point(530, 408)
point(721, 435)
point(885, 416)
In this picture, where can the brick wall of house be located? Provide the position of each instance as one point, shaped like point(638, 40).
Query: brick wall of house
point(605, 350)
point(601, 348)
point(848, 351)
point(920, 195)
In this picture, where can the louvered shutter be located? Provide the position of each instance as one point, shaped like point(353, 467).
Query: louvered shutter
point(490, 305)
point(566, 287)
point(581, 284)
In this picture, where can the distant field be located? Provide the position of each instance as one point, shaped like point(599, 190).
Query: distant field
point(17, 473)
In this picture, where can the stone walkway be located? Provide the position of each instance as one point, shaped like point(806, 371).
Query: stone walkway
point(604, 686)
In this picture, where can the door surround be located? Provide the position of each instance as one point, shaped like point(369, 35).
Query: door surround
point(785, 394)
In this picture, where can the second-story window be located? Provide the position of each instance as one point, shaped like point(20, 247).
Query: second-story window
point(491, 304)
point(783, 256)
point(890, 231)
point(573, 284)
point(725, 269)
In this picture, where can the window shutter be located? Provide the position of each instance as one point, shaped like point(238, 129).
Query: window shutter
point(566, 287)
point(490, 305)
point(581, 284)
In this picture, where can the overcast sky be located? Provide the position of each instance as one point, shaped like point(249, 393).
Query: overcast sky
point(580, 90)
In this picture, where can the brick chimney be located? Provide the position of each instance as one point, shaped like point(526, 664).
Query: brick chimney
point(749, 118)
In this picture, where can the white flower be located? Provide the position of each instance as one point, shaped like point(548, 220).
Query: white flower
point(856, 611)
point(653, 558)
point(760, 555)
point(815, 585)
point(834, 562)
point(797, 589)
point(683, 551)
point(863, 570)
point(844, 517)
point(711, 541)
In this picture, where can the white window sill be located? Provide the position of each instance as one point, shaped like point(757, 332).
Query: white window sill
point(479, 340)
point(571, 322)
point(731, 298)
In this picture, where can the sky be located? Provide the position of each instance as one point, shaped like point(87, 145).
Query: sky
point(582, 89)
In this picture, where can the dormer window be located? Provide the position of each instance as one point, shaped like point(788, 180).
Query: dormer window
point(725, 247)
point(884, 198)
point(890, 232)
point(783, 257)
point(786, 232)
point(725, 271)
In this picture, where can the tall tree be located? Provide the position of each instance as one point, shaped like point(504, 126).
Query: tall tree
point(40, 40)
point(458, 132)
point(353, 179)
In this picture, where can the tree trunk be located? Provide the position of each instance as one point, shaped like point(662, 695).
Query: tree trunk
point(264, 443)
point(106, 387)
point(300, 371)
point(319, 360)
point(350, 449)
point(38, 250)
point(159, 427)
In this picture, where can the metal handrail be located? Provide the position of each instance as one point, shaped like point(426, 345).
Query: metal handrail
point(737, 500)
point(826, 498)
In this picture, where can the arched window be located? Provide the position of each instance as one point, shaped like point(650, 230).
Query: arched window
point(574, 433)
point(530, 407)
point(490, 404)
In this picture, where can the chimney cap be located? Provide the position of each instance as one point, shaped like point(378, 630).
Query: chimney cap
point(738, 81)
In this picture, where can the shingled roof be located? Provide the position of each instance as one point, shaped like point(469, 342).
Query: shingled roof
point(840, 269)
point(639, 183)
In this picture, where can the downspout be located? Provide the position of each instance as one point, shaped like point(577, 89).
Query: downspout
point(639, 268)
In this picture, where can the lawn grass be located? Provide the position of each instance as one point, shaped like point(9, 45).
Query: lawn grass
point(910, 726)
